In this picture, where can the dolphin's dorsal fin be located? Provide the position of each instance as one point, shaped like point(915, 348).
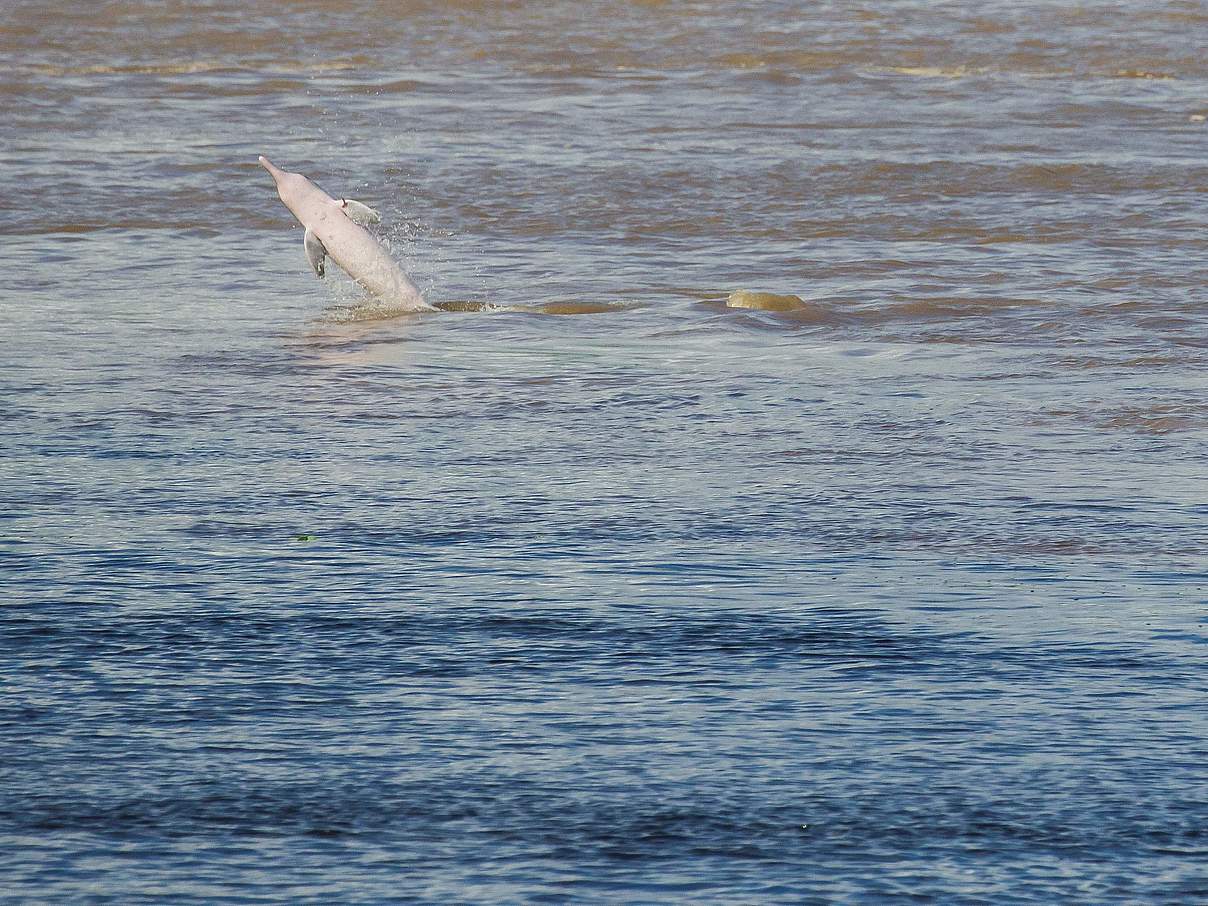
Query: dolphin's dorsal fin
point(360, 213)
point(315, 252)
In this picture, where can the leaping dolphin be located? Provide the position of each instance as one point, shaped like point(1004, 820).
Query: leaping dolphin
point(335, 229)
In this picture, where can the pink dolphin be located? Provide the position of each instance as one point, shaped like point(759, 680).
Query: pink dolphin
point(335, 229)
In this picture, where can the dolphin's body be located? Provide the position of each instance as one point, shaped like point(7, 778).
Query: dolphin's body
point(335, 229)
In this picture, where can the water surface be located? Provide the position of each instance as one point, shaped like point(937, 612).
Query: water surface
point(595, 588)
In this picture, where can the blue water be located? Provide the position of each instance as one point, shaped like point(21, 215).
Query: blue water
point(609, 591)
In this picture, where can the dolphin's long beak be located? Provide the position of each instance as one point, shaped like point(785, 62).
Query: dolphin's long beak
point(268, 165)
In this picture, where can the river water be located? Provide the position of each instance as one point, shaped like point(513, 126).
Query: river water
point(593, 587)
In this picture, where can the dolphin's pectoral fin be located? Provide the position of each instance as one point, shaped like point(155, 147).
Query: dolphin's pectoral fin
point(315, 252)
point(359, 213)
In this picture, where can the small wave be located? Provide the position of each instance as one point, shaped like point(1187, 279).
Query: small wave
point(1162, 418)
point(1026, 70)
point(541, 308)
point(366, 311)
point(789, 60)
point(939, 72)
point(459, 305)
point(580, 308)
point(46, 229)
point(189, 68)
point(945, 309)
point(1128, 363)
point(1144, 74)
point(398, 86)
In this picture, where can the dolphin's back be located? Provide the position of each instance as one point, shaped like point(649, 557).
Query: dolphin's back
point(363, 258)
